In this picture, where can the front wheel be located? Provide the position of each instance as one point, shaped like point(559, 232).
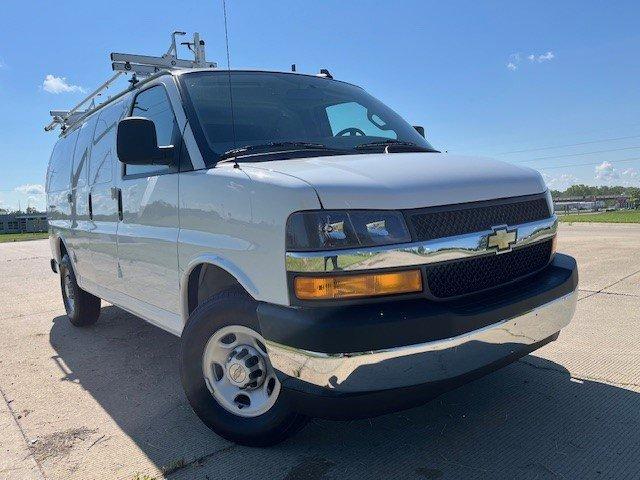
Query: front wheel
point(227, 375)
point(83, 309)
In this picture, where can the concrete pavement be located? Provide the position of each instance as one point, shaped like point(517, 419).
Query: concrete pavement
point(106, 402)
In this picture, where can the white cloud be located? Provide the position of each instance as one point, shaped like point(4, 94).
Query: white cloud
point(30, 189)
point(628, 177)
point(606, 172)
point(53, 84)
point(560, 182)
point(516, 58)
point(544, 57)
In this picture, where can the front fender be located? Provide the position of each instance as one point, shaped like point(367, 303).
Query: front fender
point(218, 261)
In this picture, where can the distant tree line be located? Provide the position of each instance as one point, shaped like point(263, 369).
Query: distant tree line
point(633, 193)
point(29, 211)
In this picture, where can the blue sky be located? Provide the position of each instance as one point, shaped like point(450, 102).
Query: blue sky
point(486, 78)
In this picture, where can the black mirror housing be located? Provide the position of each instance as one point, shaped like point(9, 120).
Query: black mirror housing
point(420, 130)
point(137, 143)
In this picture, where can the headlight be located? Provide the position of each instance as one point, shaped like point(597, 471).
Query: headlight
point(336, 229)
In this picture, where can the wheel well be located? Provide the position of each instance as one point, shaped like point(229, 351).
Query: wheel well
point(62, 248)
point(205, 281)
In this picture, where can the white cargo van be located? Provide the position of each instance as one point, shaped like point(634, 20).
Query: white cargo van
point(316, 255)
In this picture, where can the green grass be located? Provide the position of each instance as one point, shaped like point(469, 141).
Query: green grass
point(21, 237)
point(626, 216)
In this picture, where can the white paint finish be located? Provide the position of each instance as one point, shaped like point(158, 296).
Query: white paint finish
point(192, 148)
point(78, 235)
point(407, 180)
point(237, 221)
point(147, 240)
point(148, 233)
point(103, 231)
point(169, 321)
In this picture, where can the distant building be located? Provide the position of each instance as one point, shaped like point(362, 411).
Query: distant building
point(23, 223)
point(564, 206)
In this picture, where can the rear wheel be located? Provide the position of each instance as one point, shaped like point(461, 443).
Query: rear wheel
point(82, 308)
point(227, 375)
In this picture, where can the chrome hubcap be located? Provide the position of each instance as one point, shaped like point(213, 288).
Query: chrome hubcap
point(246, 367)
point(238, 373)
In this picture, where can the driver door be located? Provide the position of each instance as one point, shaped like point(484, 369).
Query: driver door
point(148, 228)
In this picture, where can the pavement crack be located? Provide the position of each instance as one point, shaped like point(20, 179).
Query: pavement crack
point(541, 367)
point(22, 315)
point(181, 464)
point(593, 292)
point(22, 432)
point(602, 290)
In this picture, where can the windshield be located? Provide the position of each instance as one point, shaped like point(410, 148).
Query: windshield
point(276, 112)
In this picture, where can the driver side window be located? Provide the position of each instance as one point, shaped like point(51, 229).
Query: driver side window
point(154, 104)
point(352, 116)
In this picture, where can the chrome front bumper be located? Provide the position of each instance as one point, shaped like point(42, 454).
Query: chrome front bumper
point(426, 362)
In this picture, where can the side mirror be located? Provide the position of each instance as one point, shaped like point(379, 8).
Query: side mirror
point(420, 130)
point(137, 143)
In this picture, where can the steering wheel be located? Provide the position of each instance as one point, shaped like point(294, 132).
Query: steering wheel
point(351, 131)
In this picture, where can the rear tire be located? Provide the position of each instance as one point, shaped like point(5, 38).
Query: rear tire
point(83, 309)
point(256, 419)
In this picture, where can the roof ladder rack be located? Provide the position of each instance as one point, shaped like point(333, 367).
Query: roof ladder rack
point(138, 65)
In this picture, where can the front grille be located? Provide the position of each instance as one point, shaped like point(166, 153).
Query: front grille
point(438, 222)
point(468, 276)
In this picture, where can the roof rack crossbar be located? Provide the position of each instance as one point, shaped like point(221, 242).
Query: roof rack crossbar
point(62, 120)
point(142, 65)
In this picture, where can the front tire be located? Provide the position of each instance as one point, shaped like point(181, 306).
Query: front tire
point(83, 309)
point(227, 376)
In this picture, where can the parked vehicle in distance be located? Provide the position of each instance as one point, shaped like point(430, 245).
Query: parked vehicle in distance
point(316, 255)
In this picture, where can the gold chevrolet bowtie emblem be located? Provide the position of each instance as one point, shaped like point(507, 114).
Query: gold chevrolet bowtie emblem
point(502, 239)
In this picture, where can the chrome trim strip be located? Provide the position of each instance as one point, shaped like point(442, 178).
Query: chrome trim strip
point(426, 362)
point(420, 253)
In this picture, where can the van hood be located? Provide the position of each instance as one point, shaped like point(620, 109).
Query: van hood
point(407, 180)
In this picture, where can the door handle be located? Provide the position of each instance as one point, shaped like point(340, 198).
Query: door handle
point(116, 194)
point(90, 207)
point(120, 215)
point(70, 197)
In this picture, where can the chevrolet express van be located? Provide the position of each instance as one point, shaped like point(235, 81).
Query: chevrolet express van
point(316, 255)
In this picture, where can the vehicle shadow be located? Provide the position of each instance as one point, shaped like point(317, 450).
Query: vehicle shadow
point(530, 420)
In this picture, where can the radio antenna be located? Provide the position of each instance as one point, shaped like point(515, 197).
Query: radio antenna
point(233, 120)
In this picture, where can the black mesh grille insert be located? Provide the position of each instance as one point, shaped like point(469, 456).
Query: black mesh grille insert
point(467, 276)
point(428, 224)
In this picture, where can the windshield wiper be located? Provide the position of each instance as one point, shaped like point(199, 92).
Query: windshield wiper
point(272, 147)
point(394, 143)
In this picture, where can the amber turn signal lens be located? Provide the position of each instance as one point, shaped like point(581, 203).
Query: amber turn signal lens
point(350, 286)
